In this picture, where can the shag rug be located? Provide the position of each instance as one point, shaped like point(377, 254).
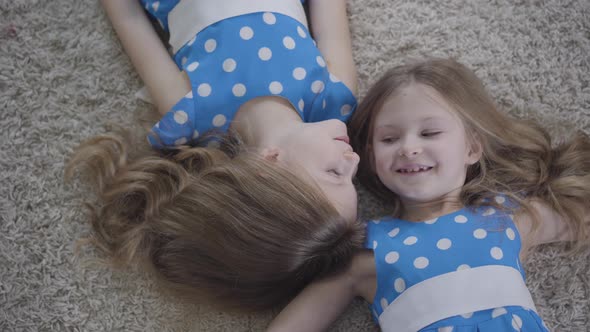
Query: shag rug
point(64, 78)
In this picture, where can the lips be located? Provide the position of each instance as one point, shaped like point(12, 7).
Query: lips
point(343, 139)
point(413, 169)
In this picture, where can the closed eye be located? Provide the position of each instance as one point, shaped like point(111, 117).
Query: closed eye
point(388, 140)
point(334, 172)
point(431, 133)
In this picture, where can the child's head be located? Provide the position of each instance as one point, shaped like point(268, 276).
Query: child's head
point(502, 154)
point(319, 153)
point(222, 223)
point(418, 130)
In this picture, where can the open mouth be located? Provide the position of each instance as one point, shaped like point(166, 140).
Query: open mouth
point(414, 170)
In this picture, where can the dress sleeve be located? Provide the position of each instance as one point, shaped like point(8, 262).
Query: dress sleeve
point(370, 232)
point(176, 127)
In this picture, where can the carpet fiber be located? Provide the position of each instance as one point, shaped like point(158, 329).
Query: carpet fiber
point(64, 77)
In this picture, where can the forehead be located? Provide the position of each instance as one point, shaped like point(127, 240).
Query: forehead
point(416, 102)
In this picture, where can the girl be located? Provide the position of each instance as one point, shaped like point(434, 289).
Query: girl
point(249, 220)
point(472, 190)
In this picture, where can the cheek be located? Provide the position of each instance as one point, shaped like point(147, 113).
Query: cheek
point(382, 162)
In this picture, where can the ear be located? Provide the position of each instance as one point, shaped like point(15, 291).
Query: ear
point(270, 154)
point(475, 149)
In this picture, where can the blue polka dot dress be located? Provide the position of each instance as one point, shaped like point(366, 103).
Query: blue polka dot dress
point(245, 57)
point(458, 272)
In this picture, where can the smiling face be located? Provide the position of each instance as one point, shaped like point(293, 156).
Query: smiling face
point(320, 152)
point(420, 147)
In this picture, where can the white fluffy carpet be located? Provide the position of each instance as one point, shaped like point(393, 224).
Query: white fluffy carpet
point(63, 77)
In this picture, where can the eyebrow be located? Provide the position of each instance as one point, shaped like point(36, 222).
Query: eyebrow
point(425, 119)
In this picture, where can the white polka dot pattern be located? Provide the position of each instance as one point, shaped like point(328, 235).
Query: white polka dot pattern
point(320, 61)
point(245, 57)
point(204, 90)
point(229, 65)
point(516, 322)
point(180, 117)
point(394, 232)
point(410, 252)
point(345, 110)
point(499, 312)
point(431, 221)
point(421, 262)
point(444, 244)
point(299, 73)
point(239, 90)
point(301, 32)
point(467, 315)
point(510, 233)
point(460, 219)
point(219, 120)
point(463, 267)
point(497, 253)
point(392, 257)
point(399, 285)
point(246, 33)
point(480, 233)
point(317, 86)
point(411, 240)
point(269, 18)
point(489, 212)
point(289, 43)
point(210, 45)
point(193, 66)
point(264, 53)
point(275, 87)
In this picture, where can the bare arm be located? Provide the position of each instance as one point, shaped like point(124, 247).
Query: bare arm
point(320, 303)
point(331, 32)
point(552, 227)
point(165, 82)
point(316, 307)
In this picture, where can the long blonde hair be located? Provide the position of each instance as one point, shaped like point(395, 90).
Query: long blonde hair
point(518, 158)
point(221, 225)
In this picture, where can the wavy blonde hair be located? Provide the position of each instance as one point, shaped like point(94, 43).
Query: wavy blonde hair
point(220, 224)
point(518, 158)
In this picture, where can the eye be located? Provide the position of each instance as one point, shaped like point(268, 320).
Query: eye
point(431, 133)
point(334, 172)
point(389, 139)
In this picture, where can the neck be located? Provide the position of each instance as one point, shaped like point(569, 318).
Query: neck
point(422, 211)
point(263, 121)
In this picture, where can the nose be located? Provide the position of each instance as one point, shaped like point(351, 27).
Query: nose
point(410, 147)
point(352, 161)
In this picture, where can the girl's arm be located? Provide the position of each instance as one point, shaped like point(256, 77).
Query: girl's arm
point(316, 307)
point(329, 22)
point(552, 225)
point(165, 82)
point(320, 303)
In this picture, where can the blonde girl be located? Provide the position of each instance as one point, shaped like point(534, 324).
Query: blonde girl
point(247, 221)
point(472, 188)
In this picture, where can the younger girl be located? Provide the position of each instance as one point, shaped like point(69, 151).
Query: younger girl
point(472, 189)
point(248, 223)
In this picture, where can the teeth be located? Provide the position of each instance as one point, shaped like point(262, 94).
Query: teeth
point(414, 170)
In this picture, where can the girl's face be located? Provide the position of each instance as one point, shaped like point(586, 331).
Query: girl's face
point(322, 150)
point(420, 148)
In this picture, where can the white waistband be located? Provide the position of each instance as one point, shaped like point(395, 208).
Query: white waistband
point(191, 16)
point(455, 293)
